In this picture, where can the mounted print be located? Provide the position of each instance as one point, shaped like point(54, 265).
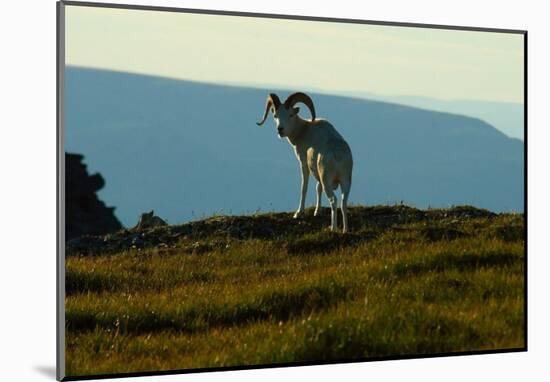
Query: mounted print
point(245, 190)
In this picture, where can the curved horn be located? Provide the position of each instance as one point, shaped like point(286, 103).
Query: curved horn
point(294, 98)
point(272, 100)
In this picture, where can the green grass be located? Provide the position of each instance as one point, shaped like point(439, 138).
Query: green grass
point(418, 283)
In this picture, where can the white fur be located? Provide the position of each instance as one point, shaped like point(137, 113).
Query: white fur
point(322, 152)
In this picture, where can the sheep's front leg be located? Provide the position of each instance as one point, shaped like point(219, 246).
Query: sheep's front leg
point(305, 179)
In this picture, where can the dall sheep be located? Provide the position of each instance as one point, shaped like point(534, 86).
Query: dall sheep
point(320, 149)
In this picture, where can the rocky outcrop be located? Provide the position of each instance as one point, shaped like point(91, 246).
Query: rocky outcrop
point(85, 214)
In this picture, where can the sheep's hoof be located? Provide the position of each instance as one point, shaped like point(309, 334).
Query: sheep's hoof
point(316, 213)
point(298, 214)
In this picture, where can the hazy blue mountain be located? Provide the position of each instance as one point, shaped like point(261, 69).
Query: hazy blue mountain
point(188, 149)
point(508, 117)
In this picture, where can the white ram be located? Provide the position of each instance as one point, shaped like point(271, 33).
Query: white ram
point(320, 149)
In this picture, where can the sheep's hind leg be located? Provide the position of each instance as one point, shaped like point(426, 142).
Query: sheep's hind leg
point(345, 186)
point(318, 205)
point(327, 187)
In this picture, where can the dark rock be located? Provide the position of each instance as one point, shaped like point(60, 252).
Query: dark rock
point(149, 220)
point(85, 214)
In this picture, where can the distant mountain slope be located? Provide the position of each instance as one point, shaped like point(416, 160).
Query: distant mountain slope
point(508, 117)
point(188, 149)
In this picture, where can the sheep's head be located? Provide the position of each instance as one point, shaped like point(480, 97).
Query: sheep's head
point(285, 114)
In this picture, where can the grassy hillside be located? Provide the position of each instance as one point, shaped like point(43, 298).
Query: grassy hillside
point(266, 289)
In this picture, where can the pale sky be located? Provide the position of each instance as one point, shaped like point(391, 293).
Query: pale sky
point(300, 55)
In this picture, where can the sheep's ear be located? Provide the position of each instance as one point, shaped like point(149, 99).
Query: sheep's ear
point(296, 110)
